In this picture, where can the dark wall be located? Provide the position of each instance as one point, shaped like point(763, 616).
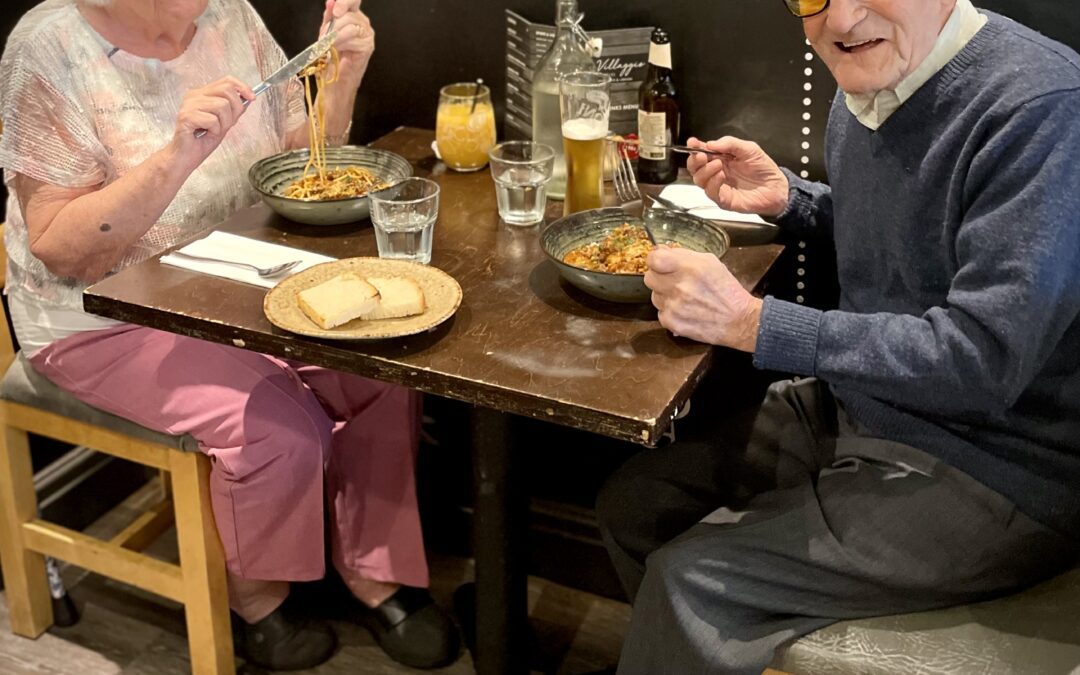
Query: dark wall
point(739, 63)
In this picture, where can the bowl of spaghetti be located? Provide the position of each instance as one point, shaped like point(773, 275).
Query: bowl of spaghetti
point(322, 185)
point(603, 251)
point(334, 194)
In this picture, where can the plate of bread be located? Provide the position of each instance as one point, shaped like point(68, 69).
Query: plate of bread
point(363, 299)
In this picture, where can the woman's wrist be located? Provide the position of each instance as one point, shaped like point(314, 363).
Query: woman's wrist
point(337, 140)
point(177, 159)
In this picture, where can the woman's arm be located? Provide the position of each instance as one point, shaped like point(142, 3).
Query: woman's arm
point(85, 232)
point(355, 45)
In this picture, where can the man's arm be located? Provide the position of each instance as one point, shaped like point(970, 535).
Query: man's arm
point(1016, 292)
point(746, 179)
point(809, 209)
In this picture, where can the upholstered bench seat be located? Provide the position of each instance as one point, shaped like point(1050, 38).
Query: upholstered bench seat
point(22, 384)
point(1036, 632)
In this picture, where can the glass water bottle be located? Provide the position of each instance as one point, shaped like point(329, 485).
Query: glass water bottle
point(569, 53)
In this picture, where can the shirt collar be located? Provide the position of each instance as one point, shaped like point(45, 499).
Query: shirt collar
point(873, 109)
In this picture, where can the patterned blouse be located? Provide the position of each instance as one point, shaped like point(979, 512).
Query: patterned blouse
point(79, 112)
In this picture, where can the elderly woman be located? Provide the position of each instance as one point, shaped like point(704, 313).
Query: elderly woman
point(100, 100)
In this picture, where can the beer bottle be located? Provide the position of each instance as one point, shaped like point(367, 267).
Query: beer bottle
point(658, 114)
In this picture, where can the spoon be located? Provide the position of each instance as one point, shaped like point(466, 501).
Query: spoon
point(476, 94)
point(270, 271)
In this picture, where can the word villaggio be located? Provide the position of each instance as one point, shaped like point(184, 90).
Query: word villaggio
point(616, 65)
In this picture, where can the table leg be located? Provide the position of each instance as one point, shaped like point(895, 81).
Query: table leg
point(500, 534)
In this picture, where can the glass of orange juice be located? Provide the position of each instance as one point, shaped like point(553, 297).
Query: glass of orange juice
point(465, 125)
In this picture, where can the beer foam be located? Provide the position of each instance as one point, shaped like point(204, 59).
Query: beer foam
point(584, 129)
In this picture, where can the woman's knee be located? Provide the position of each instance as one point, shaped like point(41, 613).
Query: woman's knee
point(279, 428)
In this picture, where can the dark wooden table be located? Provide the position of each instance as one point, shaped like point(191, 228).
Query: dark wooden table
point(522, 342)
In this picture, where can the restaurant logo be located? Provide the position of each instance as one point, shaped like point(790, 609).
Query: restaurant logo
point(620, 69)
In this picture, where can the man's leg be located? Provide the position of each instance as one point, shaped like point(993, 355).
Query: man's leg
point(660, 493)
point(885, 529)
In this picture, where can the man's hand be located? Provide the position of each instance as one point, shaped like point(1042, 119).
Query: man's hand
point(748, 181)
point(356, 38)
point(698, 297)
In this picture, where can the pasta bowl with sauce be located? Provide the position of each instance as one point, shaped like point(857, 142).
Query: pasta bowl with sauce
point(271, 177)
point(578, 236)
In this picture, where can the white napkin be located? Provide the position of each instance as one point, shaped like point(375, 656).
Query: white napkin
point(691, 196)
point(241, 249)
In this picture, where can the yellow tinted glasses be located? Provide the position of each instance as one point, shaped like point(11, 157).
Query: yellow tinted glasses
point(805, 8)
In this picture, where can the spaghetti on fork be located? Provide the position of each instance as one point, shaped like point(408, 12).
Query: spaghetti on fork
point(318, 182)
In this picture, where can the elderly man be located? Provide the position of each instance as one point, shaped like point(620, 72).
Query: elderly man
point(930, 455)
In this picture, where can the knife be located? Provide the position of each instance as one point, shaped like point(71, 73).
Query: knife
point(289, 70)
point(667, 203)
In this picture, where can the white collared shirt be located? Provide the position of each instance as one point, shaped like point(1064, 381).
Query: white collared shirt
point(873, 109)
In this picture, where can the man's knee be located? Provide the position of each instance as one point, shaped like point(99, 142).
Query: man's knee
point(623, 509)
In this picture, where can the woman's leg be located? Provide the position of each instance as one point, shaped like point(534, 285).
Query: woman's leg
point(265, 431)
point(376, 540)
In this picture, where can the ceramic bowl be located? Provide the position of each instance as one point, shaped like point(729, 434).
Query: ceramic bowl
point(270, 177)
point(566, 234)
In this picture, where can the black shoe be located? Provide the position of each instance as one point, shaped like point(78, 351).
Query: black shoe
point(280, 642)
point(411, 629)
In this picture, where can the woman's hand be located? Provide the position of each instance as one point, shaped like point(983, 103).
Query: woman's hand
point(356, 38)
point(216, 108)
point(698, 297)
point(749, 181)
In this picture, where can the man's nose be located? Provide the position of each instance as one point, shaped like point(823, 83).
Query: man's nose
point(843, 15)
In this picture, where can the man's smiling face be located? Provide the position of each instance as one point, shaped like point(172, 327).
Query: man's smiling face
point(870, 45)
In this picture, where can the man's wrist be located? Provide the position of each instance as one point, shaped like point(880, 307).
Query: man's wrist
point(751, 325)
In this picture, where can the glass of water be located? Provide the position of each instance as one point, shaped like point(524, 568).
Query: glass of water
point(404, 217)
point(521, 170)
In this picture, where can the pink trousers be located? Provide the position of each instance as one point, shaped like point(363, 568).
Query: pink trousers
point(283, 437)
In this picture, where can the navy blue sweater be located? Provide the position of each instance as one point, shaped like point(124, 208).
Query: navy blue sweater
point(957, 231)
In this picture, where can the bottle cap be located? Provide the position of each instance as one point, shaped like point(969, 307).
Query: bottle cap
point(660, 37)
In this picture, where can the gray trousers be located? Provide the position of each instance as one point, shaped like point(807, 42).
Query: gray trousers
point(786, 519)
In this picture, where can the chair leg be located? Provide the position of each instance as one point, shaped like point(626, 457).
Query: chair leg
point(202, 560)
point(24, 570)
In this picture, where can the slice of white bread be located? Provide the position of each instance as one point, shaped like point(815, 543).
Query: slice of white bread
point(338, 300)
point(398, 297)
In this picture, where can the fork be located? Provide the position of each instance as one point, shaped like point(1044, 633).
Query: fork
point(626, 186)
point(270, 271)
point(683, 149)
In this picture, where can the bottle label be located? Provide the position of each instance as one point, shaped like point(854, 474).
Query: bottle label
point(652, 129)
point(660, 55)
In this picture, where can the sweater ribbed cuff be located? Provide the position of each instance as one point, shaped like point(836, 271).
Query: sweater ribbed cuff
point(800, 204)
point(787, 337)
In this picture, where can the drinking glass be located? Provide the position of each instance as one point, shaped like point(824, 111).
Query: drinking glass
point(404, 217)
point(585, 105)
point(465, 126)
point(521, 170)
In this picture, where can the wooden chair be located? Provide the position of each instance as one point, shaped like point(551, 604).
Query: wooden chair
point(29, 403)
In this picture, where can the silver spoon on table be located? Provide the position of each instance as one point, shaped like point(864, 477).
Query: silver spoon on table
point(270, 271)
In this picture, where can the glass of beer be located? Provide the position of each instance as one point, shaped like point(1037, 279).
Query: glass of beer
point(585, 105)
point(465, 126)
